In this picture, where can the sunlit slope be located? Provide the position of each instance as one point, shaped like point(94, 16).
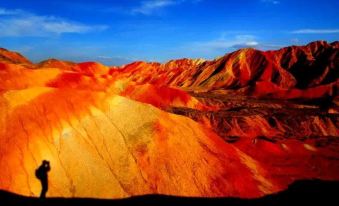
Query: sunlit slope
point(109, 146)
point(94, 77)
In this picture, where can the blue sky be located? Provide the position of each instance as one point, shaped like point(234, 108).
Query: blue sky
point(117, 32)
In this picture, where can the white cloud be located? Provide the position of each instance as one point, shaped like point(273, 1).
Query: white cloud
point(271, 1)
point(225, 43)
point(150, 7)
point(316, 31)
point(113, 60)
point(21, 23)
point(5, 12)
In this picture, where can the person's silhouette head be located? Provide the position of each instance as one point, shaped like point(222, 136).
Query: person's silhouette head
point(45, 163)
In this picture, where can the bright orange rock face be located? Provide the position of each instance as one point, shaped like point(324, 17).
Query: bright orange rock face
point(244, 125)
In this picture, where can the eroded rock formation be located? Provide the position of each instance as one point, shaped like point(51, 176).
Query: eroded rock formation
point(244, 125)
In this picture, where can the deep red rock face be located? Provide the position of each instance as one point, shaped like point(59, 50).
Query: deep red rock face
point(309, 71)
point(244, 125)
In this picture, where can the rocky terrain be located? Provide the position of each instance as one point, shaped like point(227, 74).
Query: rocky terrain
point(247, 124)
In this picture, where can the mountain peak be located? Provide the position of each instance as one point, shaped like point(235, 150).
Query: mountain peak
point(12, 57)
point(335, 44)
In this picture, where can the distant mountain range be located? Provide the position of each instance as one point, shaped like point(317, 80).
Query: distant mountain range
point(309, 71)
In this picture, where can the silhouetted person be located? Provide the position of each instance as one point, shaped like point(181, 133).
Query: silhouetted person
point(41, 174)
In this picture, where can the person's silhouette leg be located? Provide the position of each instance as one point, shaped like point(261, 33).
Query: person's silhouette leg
point(44, 185)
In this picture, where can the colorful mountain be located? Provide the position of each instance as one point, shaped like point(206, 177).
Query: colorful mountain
point(247, 124)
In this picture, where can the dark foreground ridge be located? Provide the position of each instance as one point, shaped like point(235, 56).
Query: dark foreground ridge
point(305, 192)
